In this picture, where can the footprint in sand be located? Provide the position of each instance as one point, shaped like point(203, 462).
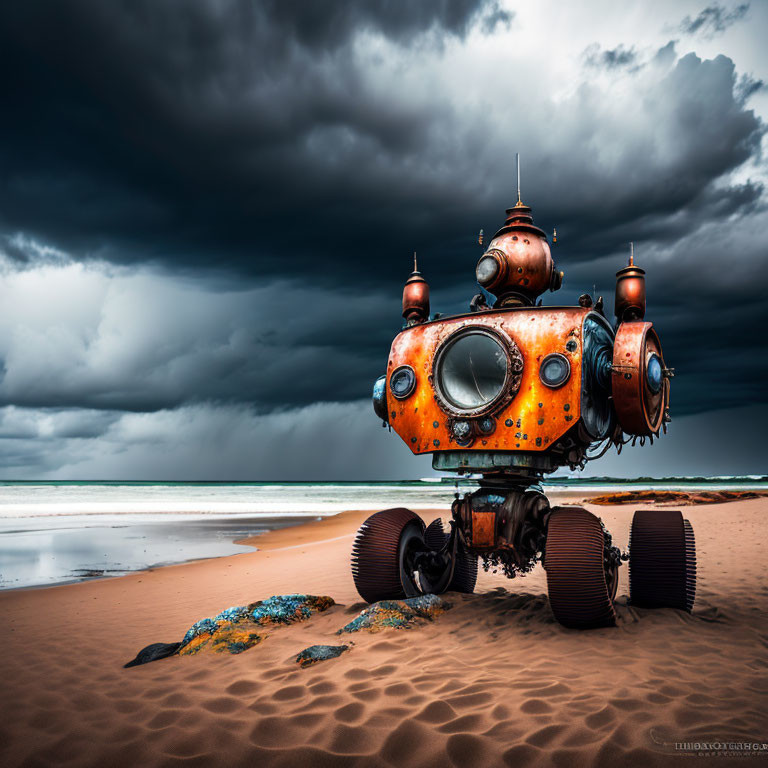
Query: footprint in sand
point(521, 756)
point(544, 737)
point(467, 749)
point(163, 719)
point(323, 686)
point(347, 740)
point(463, 724)
point(242, 687)
point(350, 713)
point(436, 712)
point(222, 705)
point(289, 692)
point(601, 718)
point(535, 707)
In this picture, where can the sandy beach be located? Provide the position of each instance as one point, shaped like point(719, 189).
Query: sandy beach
point(493, 681)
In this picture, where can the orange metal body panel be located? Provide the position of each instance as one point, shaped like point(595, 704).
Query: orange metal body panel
point(640, 412)
point(483, 530)
point(537, 415)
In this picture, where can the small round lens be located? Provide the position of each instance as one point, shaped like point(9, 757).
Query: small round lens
point(487, 269)
point(487, 425)
point(555, 370)
point(461, 429)
point(653, 374)
point(402, 382)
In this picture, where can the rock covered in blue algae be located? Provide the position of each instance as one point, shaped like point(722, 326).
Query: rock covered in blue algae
point(316, 653)
point(237, 629)
point(397, 614)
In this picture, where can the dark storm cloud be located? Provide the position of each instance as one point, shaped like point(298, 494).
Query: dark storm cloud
point(713, 20)
point(320, 26)
point(613, 58)
point(254, 137)
point(168, 129)
point(334, 441)
point(99, 339)
point(748, 86)
point(276, 163)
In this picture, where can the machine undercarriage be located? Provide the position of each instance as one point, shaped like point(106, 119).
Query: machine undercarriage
point(511, 392)
point(511, 527)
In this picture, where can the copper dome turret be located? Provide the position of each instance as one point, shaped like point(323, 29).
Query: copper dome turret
point(630, 290)
point(415, 297)
point(518, 265)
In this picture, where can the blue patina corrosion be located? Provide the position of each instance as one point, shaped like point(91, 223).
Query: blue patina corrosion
point(282, 609)
point(278, 609)
point(398, 614)
point(210, 625)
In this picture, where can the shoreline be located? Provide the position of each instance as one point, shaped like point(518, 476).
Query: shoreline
point(493, 681)
point(291, 528)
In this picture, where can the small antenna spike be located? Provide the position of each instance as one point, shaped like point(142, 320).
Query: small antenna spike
point(415, 265)
point(517, 161)
point(631, 254)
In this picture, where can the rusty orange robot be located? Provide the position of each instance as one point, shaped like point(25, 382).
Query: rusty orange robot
point(511, 392)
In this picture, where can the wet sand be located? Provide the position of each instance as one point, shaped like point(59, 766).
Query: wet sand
point(493, 681)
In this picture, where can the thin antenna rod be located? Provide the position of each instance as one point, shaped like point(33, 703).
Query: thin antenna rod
point(631, 254)
point(517, 160)
point(415, 265)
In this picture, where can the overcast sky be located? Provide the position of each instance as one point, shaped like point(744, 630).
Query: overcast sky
point(208, 210)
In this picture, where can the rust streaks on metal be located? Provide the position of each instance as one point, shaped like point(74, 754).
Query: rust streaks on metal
point(537, 411)
point(640, 411)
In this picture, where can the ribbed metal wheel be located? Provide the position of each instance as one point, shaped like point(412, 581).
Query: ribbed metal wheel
point(464, 576)
point(376, 554)
point(662, 560)
point(579, 588)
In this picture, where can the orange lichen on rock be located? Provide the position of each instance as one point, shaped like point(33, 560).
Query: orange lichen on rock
point(237, 629)
point(674, 497)
point(397, 614)
point(228, 637)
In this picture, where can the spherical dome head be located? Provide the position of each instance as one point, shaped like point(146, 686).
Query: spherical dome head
point(527, 263)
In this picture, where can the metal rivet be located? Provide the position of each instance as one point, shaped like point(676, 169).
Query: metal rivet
point(538, 441)
point(435, 424)
point(435, 443)
point(541, 421)
point(567, 407)
point(508, 423)
point(541, 405)
point(413, 439)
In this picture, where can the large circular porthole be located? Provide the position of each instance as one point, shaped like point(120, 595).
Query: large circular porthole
point(474, 370)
